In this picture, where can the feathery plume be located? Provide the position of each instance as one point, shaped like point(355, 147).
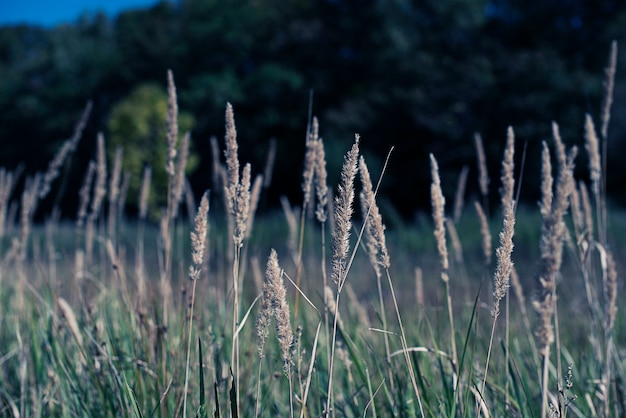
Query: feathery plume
point(485, 233)
point(609, 84)
point(255, 195)
point(172, 124)
point(99, 190)
point(198, 237)
point(454, 241)
point(592, 146)
point(242, 206)
point(504, 265)
point(587, 210)
point(232, 159)
point(343, 214)
point(419, 286)
point(375, 229)
point(438, 202)
point(309, 161)
point(274, 303)
point(121, 201)
point(292, 222)
point(321, 186)
point(84, 193)
point(269, 164)
point(68, 147)
point(483, 175)
point(178, 185)
point(610, 290)
point(508, 168)
point(144, 193)
point(546, 181)
point(551, 245)
point(459, 197)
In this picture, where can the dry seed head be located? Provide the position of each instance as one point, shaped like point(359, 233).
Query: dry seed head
point(172, 124)
point(592, 146)
point(587, 210)
point(508, 168)
point(255, 195)
point(116, 174)
point(269, 164)
point(454, 240)
point(419, 286)
point(278, 297)
point(292, 222)
point(242, 206)
point(84, 193)
point(179, 176)
point(72, 323)
point(610, 290)
point(321, 186)
point(504, 265)
point(438, 204)
point(519, 290)
point(459, 196)
point(609, 84)
point(198, 237)
point(343, 214)
point(53, 168)
point(144, 193)
point(121, 201)
point(575, 205)
point(331, 305)
point(551, 246)
point(232, 159)
point(66, 150)
point(215, 162)
point(546, 181)
point(485, 233)
point(355, 303)
point(375, 229)
point(483, 176)
point(309, 161)
point(99, 190)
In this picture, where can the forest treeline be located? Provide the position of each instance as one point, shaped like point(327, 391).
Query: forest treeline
point(420, 75)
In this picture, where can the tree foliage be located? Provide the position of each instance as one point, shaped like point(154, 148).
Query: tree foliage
point(420, 75)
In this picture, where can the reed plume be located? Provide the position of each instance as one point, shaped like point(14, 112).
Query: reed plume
point(274, 303)
point(68, 148)
point(270, 160)
point(374, 229)
point(144, 193)
point(343, 214)
point(198, 237)
point(551, 246)
point(508, 167)
point(84, 193)
point(592, 146)
point(172, 124)
point(483, 175)
point(438, 203)
point(459, 196)
point(504, 264)
point(321, 186)
point(485, 233)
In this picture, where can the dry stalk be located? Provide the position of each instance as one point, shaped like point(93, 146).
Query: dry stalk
point(459, 196)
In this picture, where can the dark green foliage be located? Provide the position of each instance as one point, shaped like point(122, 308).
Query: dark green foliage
point(418, 75)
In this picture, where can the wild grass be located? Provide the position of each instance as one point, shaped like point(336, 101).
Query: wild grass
point(113, 316)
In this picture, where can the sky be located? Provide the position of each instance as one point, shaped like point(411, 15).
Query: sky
point(52, 12)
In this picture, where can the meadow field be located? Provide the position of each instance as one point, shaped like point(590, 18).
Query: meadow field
point(222, 307)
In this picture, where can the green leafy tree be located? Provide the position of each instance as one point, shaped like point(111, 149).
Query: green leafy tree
point(138, 124)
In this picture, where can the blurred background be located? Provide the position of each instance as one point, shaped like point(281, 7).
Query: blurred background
point(422, 76)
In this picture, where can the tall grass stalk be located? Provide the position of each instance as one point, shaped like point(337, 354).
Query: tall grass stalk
point(198, 243)
point(438, 211)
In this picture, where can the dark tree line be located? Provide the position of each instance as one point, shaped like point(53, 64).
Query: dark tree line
point(420, 75)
